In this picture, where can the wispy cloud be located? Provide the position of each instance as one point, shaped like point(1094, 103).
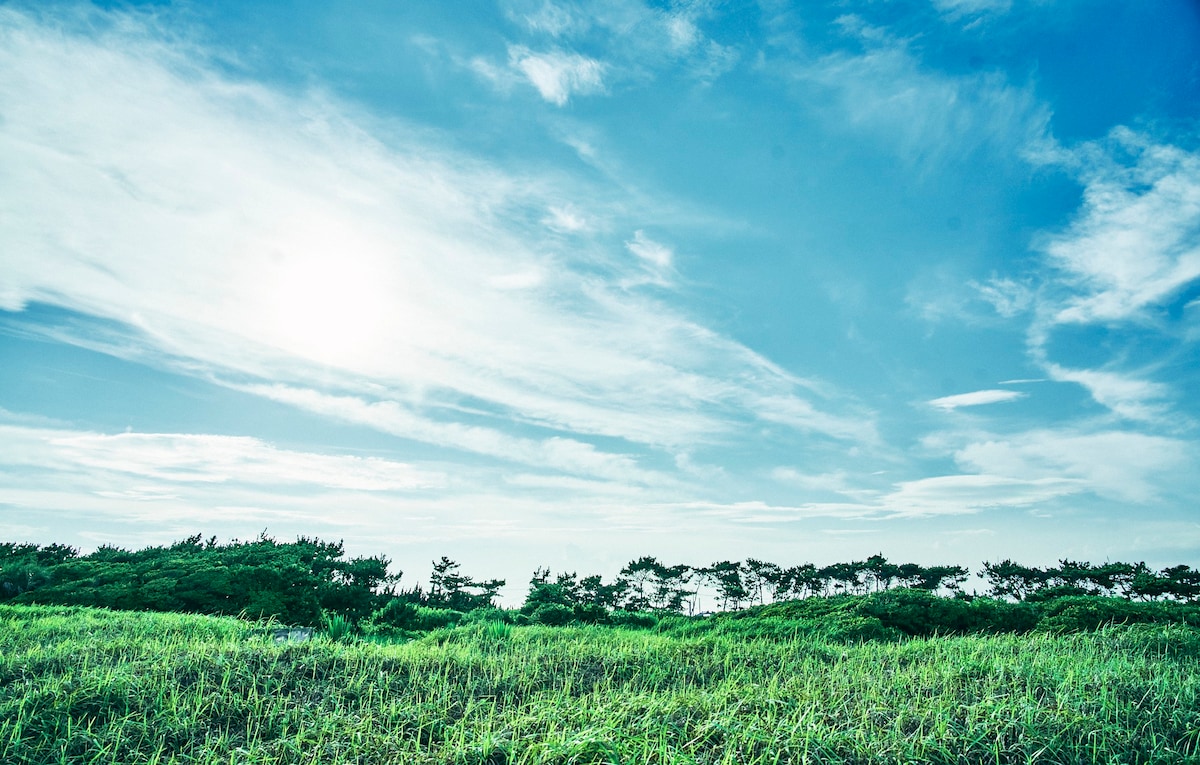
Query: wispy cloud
point(1123, 465)
point(1130, 253)
point(565, 454)
point(973, 493)
point(191, 458)
point(558, 74)
point(1135, 242)
point(392, 270)
point(927, 117)
point(1124, 394)
point(655, 258)
point(955, 10)
point(975, 398)
point(1008, 297)
point(640, 41)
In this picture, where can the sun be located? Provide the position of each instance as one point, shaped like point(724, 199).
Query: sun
point(325, 298)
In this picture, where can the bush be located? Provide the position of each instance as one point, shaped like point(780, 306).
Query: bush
point(553, 614)
point(396, 615)
point(806, 608)
point(436, 618)
point(1085, 614)
point(633, 619)
point(1056, 592)
point(915, 612)
point(993, 616)
point(400, 618)
point(857, 629)
point(922, 613)
point(591, 613)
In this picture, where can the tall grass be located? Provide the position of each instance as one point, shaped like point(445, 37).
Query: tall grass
point(86, 686)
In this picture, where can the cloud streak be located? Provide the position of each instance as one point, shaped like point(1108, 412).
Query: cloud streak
point(394, 271)
point(975, 398)
point(191, 458)
point(927, 117)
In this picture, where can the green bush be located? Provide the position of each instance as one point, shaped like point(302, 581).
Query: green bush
point(857, 629)
point(1084, 614)
point(992, 616)
point(399, 619)
point(915, 612)
point(436, 618)
point(396, 615)
point(553, 614)
point(922, 613)
point(633, 619)
point(806, 608)
point(591, 613)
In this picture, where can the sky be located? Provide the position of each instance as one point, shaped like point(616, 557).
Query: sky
point(552, 283)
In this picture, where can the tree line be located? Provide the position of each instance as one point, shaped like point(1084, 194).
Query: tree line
point(305, 581)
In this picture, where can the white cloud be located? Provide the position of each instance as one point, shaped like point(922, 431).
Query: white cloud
point(557, 453)
point(975, 398)
point(554, 19)
point(190, 458)
point(1135, 242)
point(642, 41)
point(656, 254)
point(1116, 464)
point(972, 493)
point(392, 269)
point(558, 75)
point(682, 32)
point(654, 258)
point(798, 413)
point(957, 9)
point(837, 481)
point(927, 117)
point(500, 78)
point(1125, 395)
point(1008, 297)
point(566, 220)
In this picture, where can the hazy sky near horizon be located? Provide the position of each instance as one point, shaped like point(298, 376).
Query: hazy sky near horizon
point(545, 283)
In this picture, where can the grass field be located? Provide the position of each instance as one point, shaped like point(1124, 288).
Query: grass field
point(91, 686)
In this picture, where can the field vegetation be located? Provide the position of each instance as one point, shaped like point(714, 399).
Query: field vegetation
point(865, 662)
point(81, 685)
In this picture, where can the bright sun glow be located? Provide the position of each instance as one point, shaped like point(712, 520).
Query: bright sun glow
point(324, 296)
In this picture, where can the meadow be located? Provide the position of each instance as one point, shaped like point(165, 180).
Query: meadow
point(82, 685)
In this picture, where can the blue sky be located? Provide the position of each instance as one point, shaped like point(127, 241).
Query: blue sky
point(555, 283)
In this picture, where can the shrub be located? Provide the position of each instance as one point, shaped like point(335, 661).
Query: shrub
point(993, 616)
point(436, 618)
point(396, 615)
point(922, 613)
point(1084, 614)
point(915, 612)
point(857, 629)
point(591, 613)
point(553, 614)
point(633, 619)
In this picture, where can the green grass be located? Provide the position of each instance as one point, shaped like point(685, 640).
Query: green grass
point(89, 686)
